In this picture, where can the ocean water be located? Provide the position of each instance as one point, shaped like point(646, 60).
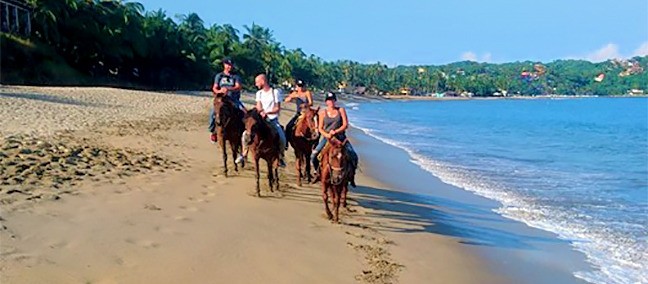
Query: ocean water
point(575, 167)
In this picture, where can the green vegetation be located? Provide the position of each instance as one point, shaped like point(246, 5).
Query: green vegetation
point(117, 43)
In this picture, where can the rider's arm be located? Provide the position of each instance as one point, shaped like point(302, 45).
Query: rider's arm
point(345, 124)
point(289, 97)
point(320, 123)
point(216, 87)
point(236, 87)
point(309, 97)
point(237, 84)
point(259, 107)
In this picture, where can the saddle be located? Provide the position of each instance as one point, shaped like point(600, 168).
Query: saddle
point(298, 121)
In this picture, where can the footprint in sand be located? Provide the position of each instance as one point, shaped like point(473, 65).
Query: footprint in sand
point(182, 218)
point(148, 244)
point(189, 209)
point(58, 245)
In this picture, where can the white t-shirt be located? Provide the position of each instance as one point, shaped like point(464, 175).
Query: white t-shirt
point(269, 99)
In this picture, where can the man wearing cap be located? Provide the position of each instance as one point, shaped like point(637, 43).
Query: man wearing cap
point(228, 84)
point(301, 96)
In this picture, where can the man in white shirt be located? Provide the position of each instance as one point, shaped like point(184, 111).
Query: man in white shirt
point(268, 103)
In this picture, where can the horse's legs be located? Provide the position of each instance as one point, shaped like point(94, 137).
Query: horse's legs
point(336, 202)
point(345, 190)
point(256, 167)
point(221, 141)
point(234, 148)
point(270, 175)
point(276, 178)
point(298, 163)
point(308, 166)
point(325, 199)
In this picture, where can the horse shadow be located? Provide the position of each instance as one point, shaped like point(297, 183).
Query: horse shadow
point(402, 212)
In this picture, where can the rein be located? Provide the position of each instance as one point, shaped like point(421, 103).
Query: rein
point(332, 168)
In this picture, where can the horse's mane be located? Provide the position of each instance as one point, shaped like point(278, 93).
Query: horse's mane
point(262, 125)
point(228, 108)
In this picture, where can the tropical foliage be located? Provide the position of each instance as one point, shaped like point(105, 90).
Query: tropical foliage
point(119, 43)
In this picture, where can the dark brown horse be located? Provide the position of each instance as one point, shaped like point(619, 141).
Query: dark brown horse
point(303, 140)
point(334, 176)
point(230, 121)
point(264, 144)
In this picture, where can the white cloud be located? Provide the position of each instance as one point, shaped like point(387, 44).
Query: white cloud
point(642, 50)
point(608, 51)
point(471, 56)
point(487, 57)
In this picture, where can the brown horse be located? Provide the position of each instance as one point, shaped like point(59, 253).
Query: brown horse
point(230, 120)
point(303, 140)
point(264, 144)
point(334, 176)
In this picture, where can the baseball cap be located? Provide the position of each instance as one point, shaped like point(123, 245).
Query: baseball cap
point(330, 96)
point(300, 83)
point(227, 61)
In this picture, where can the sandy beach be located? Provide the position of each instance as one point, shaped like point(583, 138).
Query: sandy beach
point(104, 185)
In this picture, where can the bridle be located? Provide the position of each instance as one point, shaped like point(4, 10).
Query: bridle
point(332, 168)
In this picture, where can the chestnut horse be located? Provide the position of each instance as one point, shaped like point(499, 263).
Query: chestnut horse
point(304, 138)
point(230, 120)
point(264, 144)
point(334, 176)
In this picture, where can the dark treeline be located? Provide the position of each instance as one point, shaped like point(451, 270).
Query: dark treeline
point(119, 43)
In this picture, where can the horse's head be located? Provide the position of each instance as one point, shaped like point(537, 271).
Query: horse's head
point(252, 122)
point(224, 109)
point(307, 125)
point(337, 161)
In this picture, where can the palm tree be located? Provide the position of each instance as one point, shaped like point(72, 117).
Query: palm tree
point(257, 37)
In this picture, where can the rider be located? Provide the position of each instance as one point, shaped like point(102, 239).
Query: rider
point(268, 103)
point(333, 122)
point(301, 96)
point(229, 84)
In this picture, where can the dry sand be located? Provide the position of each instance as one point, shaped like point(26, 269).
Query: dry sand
point(102, 185)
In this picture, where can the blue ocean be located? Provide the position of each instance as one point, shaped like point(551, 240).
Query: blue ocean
point(575, 167)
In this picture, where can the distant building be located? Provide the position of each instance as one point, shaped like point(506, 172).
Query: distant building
point(636, 92)
point(15, 17)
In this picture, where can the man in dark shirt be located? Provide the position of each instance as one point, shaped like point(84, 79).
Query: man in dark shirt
point(228, 84)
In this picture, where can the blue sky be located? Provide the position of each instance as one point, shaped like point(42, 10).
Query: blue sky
point(438, 32)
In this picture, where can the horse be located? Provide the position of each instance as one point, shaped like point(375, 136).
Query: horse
point(230, 120)
point(264, 144)
point(304, 138)
point(334, 176)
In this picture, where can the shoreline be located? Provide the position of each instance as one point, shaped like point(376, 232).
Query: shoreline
point(430, 98)
point(509, 247)
point(187, 223)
